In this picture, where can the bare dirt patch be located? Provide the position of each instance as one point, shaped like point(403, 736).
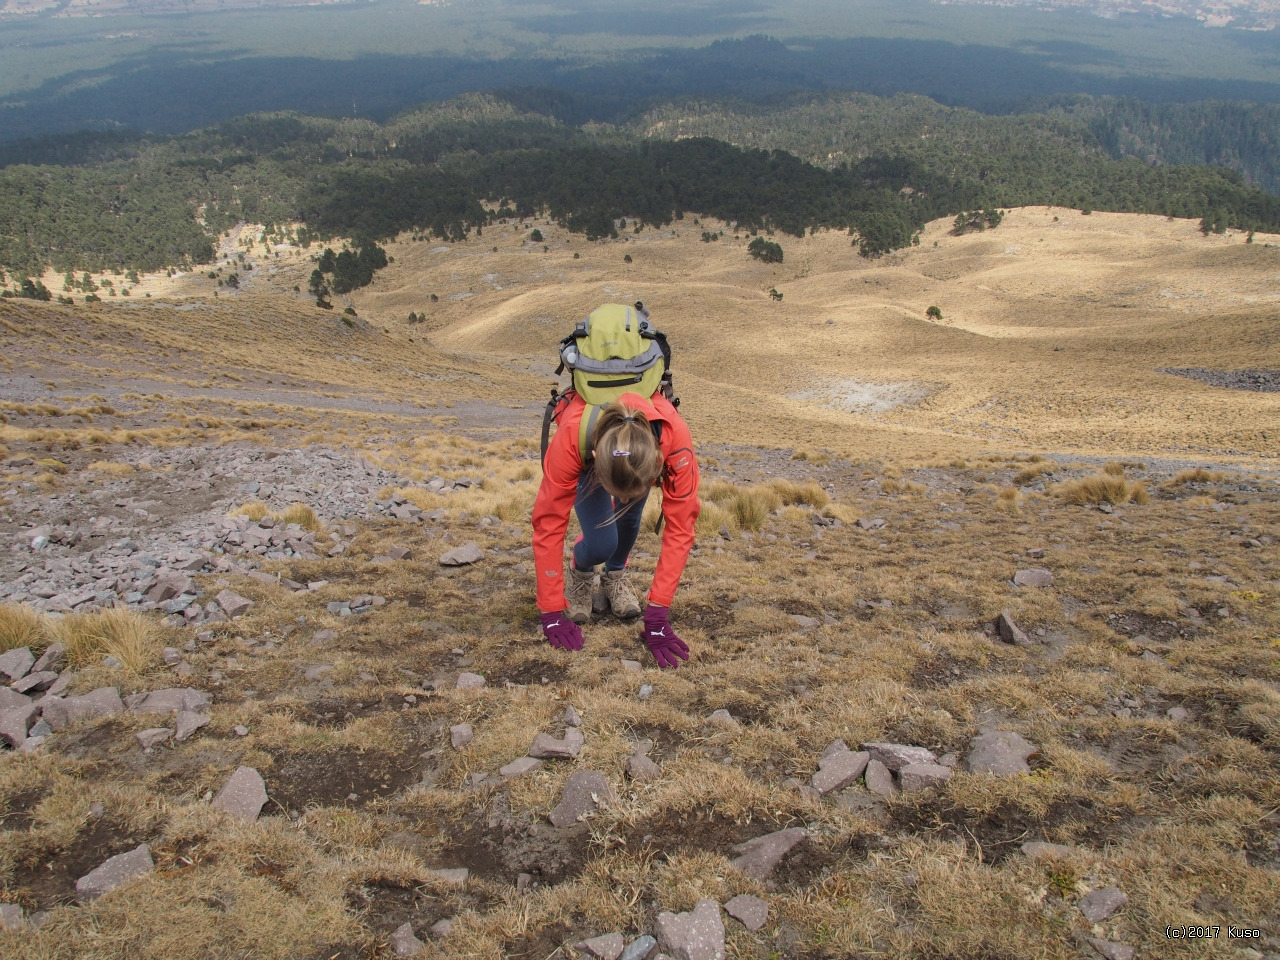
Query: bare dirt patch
point(340, 777)
point(51, 880)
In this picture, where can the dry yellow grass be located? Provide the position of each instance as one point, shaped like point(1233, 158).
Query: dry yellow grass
point(131, 638)
point(1103, 488)
point(302, 515)
point(20, 626)
point(1195, 475)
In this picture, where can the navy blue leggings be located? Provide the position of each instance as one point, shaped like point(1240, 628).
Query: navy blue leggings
point(602, 541)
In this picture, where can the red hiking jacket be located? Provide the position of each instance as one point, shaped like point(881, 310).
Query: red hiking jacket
point(559, 489)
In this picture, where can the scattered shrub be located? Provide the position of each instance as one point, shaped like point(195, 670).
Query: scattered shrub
point(1195, 475)
point(254, 510)
point(1030, 473)
point(1114, 469)
point(302, 515)
point(1009, 500)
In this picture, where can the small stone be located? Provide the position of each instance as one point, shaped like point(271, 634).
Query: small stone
point(403, 943)
point(1100, 904)
point(641, 948)
point(878, 778)
point(632, 665)
point(584, 793)
point(171, 656)
point(232, 604)
point(836, 746)
point(643, 770)
point(1001, 753)
point(115, 872)
point(170, 700)
point(1111, 951)
point(696, 935)
point(400, 553)
point(17, 663)
point(1038, 849)
point(15, 724)
point(757, 858)
point(243, 795)
point(189, 723)
point(460, 735)
point(895, 756)
point(645, 691)
point(571, 718)
point(523, 882)
point(1035, 577)
point(11, 918)
point(724, 718)
point(461, 556)
point(519, 767)
point(10, 699)
point(154, 736)
point(921, 776)
point(839, 770)
point(454, 875)
point(1009, 631)
point(1178, 714)
point(240, 731)
point(607, 947)
point(751, 912)
point(54, 658)
point(442, 928)
point(321, 637)
point(34, 682)
point(546, 747)
point(470, 681)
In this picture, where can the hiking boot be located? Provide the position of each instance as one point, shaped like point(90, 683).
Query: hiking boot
point(622, 599)
point(578, 588)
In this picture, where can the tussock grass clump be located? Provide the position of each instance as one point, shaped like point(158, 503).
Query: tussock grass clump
point(124, 634)
point(1114, 469)
point(1194, 475)
point(302, 515)
point(1030, 473)
point(255, 510)
point(902, 486)
point(4, 451)
point(20, 626)
point(794, 494)
point(52, 465)
point(113, 469)
point(818, 458)
point(1009, 500)
point(1103, 488)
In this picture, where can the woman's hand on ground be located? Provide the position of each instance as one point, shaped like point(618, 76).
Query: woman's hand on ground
point(662, 641)
point(561, 632)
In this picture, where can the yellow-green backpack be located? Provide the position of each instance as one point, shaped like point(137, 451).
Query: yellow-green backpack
point(616, 350)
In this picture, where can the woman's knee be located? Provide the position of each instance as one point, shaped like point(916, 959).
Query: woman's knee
point(597, 545)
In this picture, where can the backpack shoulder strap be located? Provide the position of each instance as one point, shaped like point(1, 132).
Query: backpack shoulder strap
point(586, 427)
point(550, 414)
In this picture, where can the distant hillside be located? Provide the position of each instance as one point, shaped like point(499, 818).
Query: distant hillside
point(879, 169)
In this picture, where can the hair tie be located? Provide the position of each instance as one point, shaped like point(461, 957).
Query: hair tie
point(629, 419)
point(622, 453)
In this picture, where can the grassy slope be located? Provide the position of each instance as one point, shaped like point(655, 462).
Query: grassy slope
point(1175, 813)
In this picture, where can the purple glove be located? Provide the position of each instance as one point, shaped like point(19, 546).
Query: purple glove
point(561, 632)
point(661, 639)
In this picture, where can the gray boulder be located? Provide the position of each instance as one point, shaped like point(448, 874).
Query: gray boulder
point(35, 682)
point(751, 912)
point(837, 770)
point(15, 723)
point(758, 857)
point(1009, 631)
point(115, 872)
point(54, 658)
point(606, 947)
point(470, 681)
point(895, 756)
point(696, 935)
point(10, 699)
point(641, 948)
point(1111, 951)
point(243, 795)
point(546, 747)
point(154, 736)
point(171, 700)
point(403, 943)
point(921, 776)
point(1035, 577)
point(879, 779)
point(188, 723)
point(1100, 904)
point(519, 767)
point(460, 735)
point(584, 793)
point(60, 714)
point(11, 917)
point(232, 604)
point(17, 663)
point(1002, 753)
point(642, 770)
point(461, 556)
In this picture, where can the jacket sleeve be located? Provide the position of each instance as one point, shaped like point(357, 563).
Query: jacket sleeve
point(680, 507)
point(551, 513)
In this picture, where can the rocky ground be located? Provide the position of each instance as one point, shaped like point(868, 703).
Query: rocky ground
point(937, 712)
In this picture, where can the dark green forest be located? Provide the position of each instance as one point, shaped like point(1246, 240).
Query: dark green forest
point(879, 169)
